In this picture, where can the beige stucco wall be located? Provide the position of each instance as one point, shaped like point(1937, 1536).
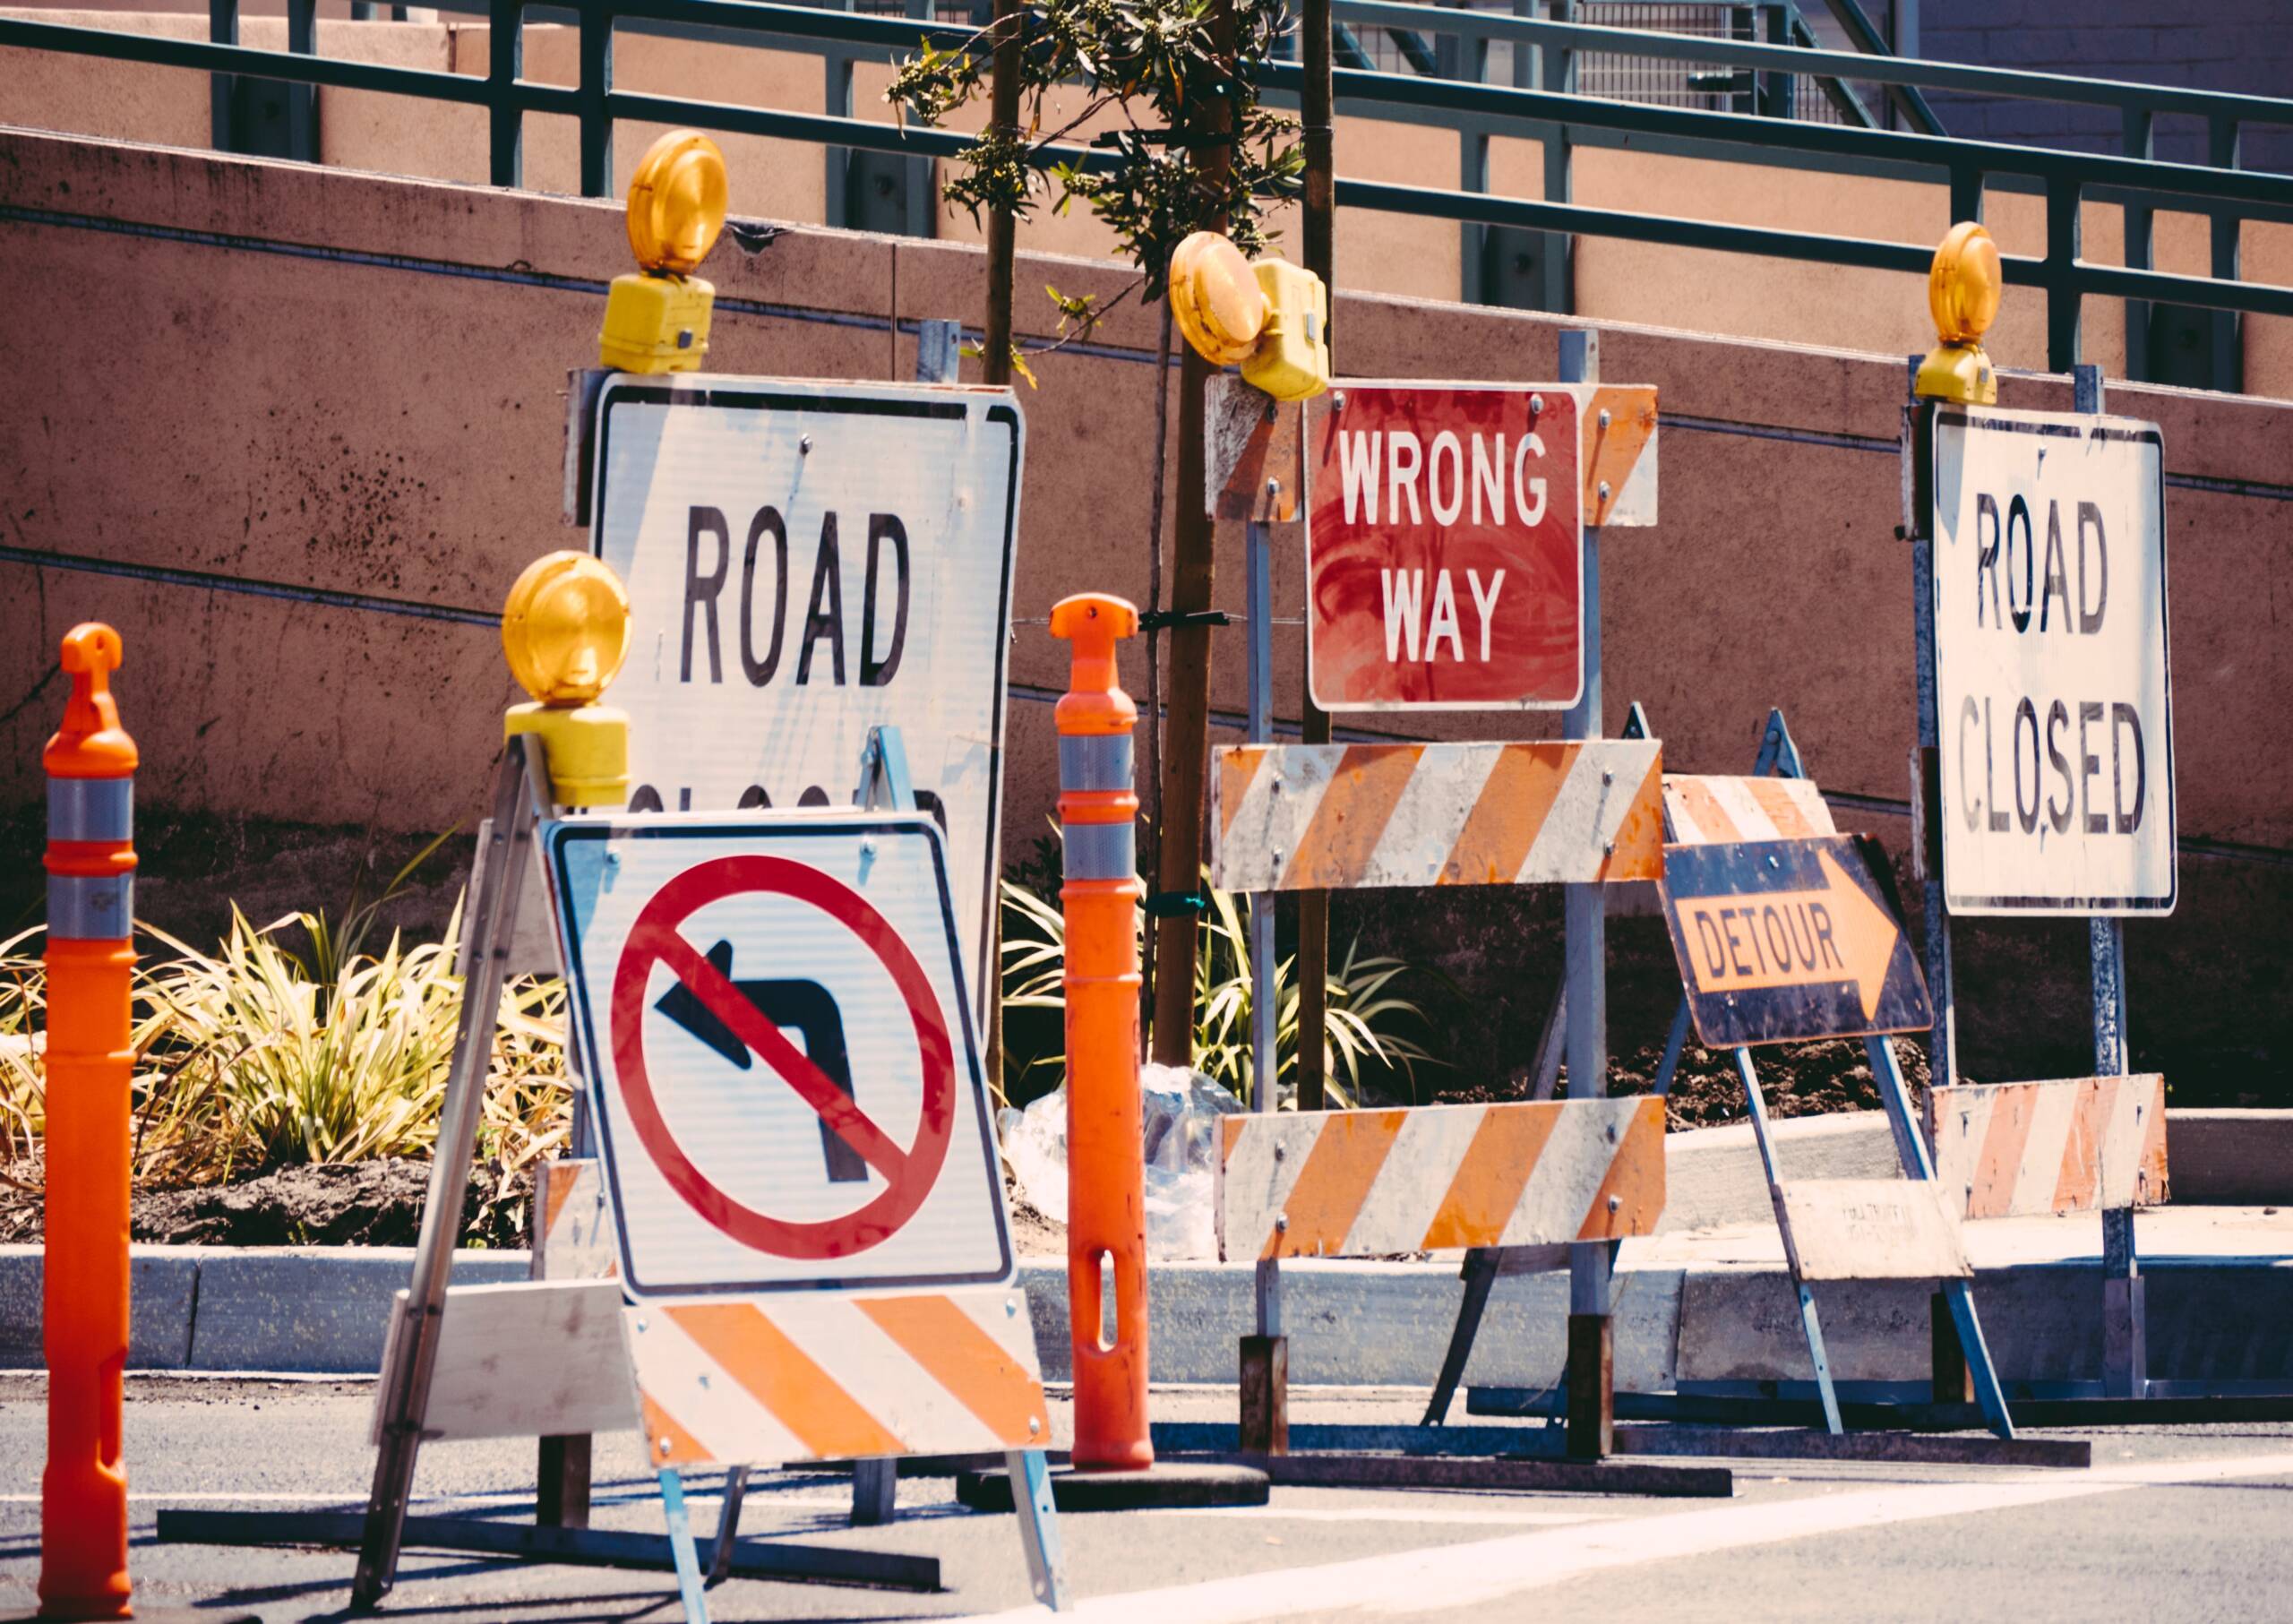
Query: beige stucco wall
point(1383, 254)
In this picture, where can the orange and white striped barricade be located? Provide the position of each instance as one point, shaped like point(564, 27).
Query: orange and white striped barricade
point(2087, 1144)
point(1770, 822)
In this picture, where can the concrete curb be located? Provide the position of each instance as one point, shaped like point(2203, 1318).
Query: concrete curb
point(320, 1312)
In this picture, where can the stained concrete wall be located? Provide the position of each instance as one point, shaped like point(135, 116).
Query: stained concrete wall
point(284, 382)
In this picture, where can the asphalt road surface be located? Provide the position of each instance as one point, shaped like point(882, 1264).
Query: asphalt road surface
point(2187, 1523)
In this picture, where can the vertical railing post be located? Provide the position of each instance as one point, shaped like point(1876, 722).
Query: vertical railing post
point(505, 60)
point(1473, 176)
point(303, 99)
point(1591, 1401)
point(1966, 195)
point(597, 84)
point(222, 29)
point(1557, 70)
point(2223, 150)
point(2139, 143)
point(2062, 299)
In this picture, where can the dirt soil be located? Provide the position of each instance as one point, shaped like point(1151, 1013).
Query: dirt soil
point(365, 1204)
point(1797, 1079)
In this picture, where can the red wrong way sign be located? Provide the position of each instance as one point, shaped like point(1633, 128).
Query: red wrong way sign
point(1444, 549)
point(780, 1061)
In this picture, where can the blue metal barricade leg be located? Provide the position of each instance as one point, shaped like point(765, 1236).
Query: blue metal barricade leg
point(1038, 1526)
point(688, 1560)
point(1808, 1323)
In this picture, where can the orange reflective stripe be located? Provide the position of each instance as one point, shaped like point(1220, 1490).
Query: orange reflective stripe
point(1782, 810)
point(1503, 824)
point(2078, 1181)
point(557, 1187)
point(1639, 852)
point(968, 1361)
point(1490, 1177)
point(661, 1427)
point(783, 1378)
point(1713, 826)
point(1351, 817)
point(2001, 1160)
point(1635, 1180)
point(1335, 1182)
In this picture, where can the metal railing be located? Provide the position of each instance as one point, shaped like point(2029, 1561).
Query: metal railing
point(1548, 108)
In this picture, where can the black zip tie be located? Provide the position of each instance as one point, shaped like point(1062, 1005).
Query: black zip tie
point(1159, 620)
point(1164, 904)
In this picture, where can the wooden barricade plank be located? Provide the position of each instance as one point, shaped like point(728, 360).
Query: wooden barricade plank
point(1873, 1229)
point(1330, 817)
point(1715, 810)
point(2073, 1145)
point(805, 1376)
point(1348, 1183)
point(525, 1358)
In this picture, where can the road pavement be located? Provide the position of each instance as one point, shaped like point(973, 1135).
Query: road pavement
point(2169, 1523)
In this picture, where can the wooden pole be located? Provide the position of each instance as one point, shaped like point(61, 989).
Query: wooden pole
point(1313, 907)
point(1187, 740)
point(995, 367)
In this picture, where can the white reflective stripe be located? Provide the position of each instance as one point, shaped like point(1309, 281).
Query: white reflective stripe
point(1099, 851)
point(1568, 1172)
point(90, 907)
point(1277, 809)
point(1255, 1184)
point(90, 809)
point(1584, 816)
point(1428, 818)
point(1959, 1129)
point(696, 1393)
point(906, 1398)
point(2123, 1133)
point(2054, 1106)
point(1095, 761)
point(1416, 1174)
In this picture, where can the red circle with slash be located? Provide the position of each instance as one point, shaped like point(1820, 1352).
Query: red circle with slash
point(908, 1173)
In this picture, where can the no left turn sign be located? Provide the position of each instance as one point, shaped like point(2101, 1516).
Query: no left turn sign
point(785, 1080)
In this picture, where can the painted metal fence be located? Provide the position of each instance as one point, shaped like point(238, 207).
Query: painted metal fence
point(1542, 104)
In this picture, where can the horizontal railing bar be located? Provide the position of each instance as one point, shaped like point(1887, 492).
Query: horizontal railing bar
point(1357, 90)
point(1818, 63)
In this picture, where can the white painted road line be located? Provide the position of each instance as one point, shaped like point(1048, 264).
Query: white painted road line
point(1453, 1576)
point(1432, 1515)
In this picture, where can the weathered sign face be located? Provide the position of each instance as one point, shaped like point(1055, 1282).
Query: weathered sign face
point(2051, 680)
point(1785, 941)
point(1445, 537)
point(780, 1065)
point(805, 560)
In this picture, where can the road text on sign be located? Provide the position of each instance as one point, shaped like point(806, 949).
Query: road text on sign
point(779, 1057)
point(1873, 1229)
point(2052, 686)
point(1784, 940)
point(806, 561)
point(1445, 538)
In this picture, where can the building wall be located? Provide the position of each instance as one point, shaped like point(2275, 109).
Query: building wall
point(297, 381)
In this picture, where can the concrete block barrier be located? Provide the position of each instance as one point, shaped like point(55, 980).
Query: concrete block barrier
point(329, 1307)
point(162, 1281)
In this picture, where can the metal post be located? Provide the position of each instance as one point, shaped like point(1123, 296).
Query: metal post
point(1927, 839)
point(2223, 152)
point(1265, 1421)
point(1473, 176)
point(2063, 300)
point(596, 84)
point(521, 798)
point(728, 1523)
point(222, 29)
point(939, 351)
point(1810, 1324)
point(303, 99)
point(1554, 265)
point(505, 60)
point(2140, 142)
point(1592, 1400)
point(1320, 212)
point(2124, 1354)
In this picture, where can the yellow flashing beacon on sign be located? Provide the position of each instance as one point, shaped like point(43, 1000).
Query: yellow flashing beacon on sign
point(565, 631)
point(1963, 289)
point(1273, 317)
point(657, 319)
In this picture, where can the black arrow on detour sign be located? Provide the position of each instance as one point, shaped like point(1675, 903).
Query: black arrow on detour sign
point(805, 1007)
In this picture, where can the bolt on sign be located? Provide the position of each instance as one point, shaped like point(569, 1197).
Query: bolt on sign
point(805, 560)
point(2051, 676)
point(780, 1061)
point(1786, 940)
point(1445, 538)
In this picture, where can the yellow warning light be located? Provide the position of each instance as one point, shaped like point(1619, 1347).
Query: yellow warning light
point(1215, 298)
point(565, 631)
point(676, 202)
point(1962, 290)
point(657, 322)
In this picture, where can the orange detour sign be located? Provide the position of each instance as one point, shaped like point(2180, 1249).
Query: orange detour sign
point(1782, 940)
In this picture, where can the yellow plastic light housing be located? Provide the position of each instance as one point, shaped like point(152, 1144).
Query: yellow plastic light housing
point(1963, 287)
point(676, 202)
point(565, 628)
point(1215, 299)
point(1290, 359)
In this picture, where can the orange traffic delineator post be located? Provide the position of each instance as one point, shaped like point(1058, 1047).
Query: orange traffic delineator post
point(1106, 1200)
point(91, 765)
point(1114, 1466)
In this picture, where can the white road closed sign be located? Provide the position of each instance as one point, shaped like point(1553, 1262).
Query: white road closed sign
point(804, 561)
point(2051, 676)
point(786, 1084)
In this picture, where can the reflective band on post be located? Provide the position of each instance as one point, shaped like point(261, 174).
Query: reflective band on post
point(82, 908)
point(1095, 760)
point(91, 809)
point(1099, 851)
